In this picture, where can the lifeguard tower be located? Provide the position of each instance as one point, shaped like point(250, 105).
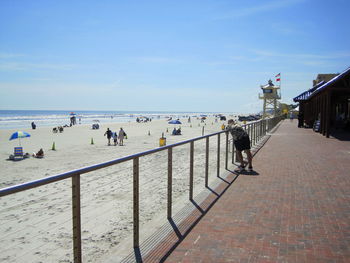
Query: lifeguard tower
point(271, 94)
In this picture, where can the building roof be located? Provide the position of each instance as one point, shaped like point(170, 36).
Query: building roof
point(320, 86)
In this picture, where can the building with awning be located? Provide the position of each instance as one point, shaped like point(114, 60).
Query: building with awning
point(327, 102)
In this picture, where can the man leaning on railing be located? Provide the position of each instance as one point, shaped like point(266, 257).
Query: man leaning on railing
point(241, 141)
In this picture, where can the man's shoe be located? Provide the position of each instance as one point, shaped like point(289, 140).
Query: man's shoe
point(239, 169)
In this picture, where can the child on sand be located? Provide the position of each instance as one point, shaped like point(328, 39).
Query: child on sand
point(115, 138)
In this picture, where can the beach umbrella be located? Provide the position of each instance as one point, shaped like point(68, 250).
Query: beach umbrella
point(174, 122)
point(19, 135)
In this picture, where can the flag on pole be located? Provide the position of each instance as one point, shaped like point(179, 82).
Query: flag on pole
point(278, 77)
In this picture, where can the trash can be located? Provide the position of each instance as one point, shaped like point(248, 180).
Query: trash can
point(162, 141)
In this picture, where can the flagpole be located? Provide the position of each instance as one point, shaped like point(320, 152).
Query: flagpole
point(280, 85)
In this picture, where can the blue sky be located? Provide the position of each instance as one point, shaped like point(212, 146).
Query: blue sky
point(165, 55)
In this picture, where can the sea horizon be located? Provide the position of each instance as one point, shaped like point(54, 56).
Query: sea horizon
point(16, 119)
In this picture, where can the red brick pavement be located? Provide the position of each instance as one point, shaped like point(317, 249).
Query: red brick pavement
point(295, 209)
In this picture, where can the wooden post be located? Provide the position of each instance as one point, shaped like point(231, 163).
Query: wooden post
point(253, 138)
point(170, 180)
point(226, 153)
point(328, 115)
point(233, 152)
point(191, 169)
point(255, 132)
point(218, 158)
point(136, 201)
point(76, 219)
point(206, 161)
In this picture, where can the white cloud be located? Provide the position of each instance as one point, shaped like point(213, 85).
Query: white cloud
point(334, 55)
point(287, 28)
point(305, 59)
point(159, 60)
point(255, 9)
point(23, 66)
point(10, 55)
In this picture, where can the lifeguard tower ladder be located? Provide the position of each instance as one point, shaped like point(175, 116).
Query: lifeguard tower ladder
point(271, 94)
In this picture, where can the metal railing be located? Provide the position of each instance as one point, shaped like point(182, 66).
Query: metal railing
point(256, 131)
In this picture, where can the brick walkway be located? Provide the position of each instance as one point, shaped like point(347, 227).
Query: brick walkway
point(295, 209)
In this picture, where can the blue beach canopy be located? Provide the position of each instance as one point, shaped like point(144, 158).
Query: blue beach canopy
point(174, 122)
point(19, 134)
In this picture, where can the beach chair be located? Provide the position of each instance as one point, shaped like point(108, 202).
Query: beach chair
point(18, 154)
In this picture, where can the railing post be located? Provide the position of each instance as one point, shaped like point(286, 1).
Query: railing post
point(136, 201)
point(226, 154)
point(254, 132)
point(233, 152)
point(206, 161)
point(76, 219)
point(249, 134)
point(263, 128)
point(170, 180)
point(191, 169)
point(218, 158)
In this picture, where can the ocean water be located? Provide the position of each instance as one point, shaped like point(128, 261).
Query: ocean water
point(22, 119)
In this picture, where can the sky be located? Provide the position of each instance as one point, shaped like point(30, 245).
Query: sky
point(197, 56)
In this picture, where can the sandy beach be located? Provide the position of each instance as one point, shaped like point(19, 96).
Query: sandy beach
point(36, 224)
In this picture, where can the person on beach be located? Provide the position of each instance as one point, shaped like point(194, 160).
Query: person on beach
point(242, 143)
point(121, 136)
point(115, 138)
point(178, 132)
point(39, 154)
point(300, 120)
point(109, 135)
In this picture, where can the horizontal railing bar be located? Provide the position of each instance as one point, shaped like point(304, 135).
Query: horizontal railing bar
point(63, 176)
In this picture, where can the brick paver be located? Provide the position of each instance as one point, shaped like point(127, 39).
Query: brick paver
point(295, 209)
